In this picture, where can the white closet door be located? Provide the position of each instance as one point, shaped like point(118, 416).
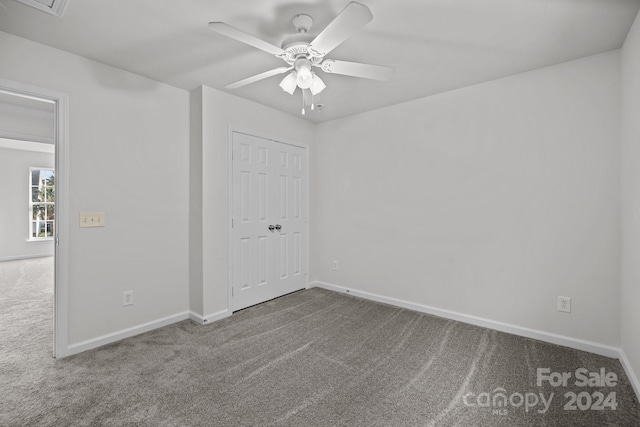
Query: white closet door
point(269, 206)
point(291, 218)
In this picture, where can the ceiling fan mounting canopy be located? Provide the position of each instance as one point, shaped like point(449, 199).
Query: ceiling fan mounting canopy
point(302, 23)
point(302, 51)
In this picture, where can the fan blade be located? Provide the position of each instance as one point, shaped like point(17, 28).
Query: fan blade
point(356, 69)
point(258, 77)
point(241, 36)
point(352, 18)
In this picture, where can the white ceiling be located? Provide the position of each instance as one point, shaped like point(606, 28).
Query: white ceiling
point(435, 45)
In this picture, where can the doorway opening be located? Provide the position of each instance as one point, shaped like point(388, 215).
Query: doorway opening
point(33, 251)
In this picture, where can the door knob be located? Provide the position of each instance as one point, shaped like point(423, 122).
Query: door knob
point(278, 227)
point(272, 227)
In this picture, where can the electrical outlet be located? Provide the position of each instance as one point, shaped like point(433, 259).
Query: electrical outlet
point(335, 265)
point(564, 304)
point(127, 298)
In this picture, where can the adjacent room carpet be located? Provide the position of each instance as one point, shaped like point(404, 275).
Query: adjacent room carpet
point(311, 358)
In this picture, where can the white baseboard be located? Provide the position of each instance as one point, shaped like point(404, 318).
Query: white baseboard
point(125, 333)
point(205, 320)
point(578, 344)
point(19, 257)
point(633, 379)
point(145, 327)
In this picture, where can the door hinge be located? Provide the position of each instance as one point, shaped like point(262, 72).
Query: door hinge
point(231, 222)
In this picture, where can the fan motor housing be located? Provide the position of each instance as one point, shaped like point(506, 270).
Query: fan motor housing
point(296, 45)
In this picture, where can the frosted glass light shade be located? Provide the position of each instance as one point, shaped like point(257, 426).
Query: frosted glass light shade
point(317, 85)
point(288, 84)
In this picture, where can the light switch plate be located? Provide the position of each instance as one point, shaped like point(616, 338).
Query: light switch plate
point(91, 219)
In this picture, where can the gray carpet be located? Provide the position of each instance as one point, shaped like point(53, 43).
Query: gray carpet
point(312, 358)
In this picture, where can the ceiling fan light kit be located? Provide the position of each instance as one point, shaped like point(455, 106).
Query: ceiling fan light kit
point(289, 83)
point(303, 73)
point(317, 85)
point(303, 51)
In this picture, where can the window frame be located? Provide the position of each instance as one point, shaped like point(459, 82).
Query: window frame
point(31, 238)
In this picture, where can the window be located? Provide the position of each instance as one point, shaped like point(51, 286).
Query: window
point(42, 203)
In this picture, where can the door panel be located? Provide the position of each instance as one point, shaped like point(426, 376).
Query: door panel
point(263, 183)
point(262, 260)
point(284, 246)
point(250, 248)
point(269, 189)
point(292, 217)
point(296, 254)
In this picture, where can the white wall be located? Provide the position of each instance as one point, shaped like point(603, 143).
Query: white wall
point(489, 201)
point(631, 197)
point(129, 147)
point(217, 113)
point(195, 203)
point(14, 204)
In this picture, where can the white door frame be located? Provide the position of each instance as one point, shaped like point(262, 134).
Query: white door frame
point(61, 238)
point(262, 135)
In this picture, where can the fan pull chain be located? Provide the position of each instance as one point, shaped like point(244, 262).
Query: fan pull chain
point(303, 112)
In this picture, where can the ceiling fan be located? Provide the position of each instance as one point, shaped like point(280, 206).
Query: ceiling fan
point(303, 51)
